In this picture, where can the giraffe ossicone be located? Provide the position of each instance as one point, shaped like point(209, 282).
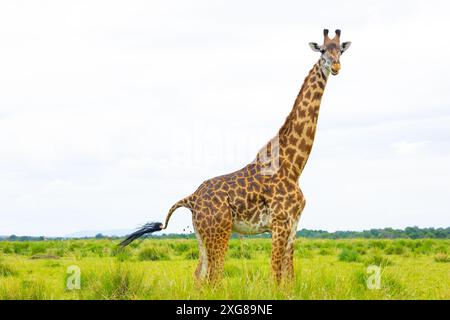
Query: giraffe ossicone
point(264, 196)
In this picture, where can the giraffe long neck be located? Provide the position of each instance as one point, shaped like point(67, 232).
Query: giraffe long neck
point(296, 136)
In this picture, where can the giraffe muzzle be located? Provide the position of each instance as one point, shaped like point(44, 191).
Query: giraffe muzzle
point(335, 67)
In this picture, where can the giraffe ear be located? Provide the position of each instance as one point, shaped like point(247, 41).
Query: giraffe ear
point(345, 46)
point(314, 46)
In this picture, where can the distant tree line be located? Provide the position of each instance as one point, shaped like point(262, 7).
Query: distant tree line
point(385, 233)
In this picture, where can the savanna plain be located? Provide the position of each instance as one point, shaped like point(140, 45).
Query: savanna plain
point(163, 269)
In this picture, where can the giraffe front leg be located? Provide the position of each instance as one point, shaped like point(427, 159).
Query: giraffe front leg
point(279, 245)
point(287, 270)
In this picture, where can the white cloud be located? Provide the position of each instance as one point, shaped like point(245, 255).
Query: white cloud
point(408, 148)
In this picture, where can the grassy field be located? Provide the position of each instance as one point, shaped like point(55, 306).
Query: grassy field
point(163, 269)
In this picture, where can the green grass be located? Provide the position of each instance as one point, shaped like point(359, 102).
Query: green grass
point(163, 269)
point(442, 257)
point(6, 270)
point(154, 253)
point(349, 255)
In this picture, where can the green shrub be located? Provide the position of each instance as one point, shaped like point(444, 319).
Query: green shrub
point(7, 250)
point(305, 246)
point(6, 270)
point(361, 251)
point(121, 254)
point(74, 246)
point(97, 249)
point(395, 249)
point(191, 254)
point(378, 260)
point(303, 253)
point(119, 282)
point(391, 285)
point(424, 247)
point(134, 245)
point(262, 247)
point(179, 247)
point(361, 278)
point(240, 253)
point(21, 247)
point(380, 244)
point(33, 290)
point(38, 248)
point(325, 252)
point(154, 253)
point(442, 249)
point(348, 255)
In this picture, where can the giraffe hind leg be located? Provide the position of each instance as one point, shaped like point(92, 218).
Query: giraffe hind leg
point(216, 250)
point(213, 233)
point(202, 267)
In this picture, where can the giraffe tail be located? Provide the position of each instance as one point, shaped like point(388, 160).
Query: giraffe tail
point(146, 228)
point(186, 203)
point(156, 226)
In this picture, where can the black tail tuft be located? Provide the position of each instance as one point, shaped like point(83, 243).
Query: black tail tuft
point(147, 228)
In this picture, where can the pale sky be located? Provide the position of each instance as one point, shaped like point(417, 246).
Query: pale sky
point(110, 111)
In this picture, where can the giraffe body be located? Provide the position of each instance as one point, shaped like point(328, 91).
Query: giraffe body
point(264, 196)
point(249, 201)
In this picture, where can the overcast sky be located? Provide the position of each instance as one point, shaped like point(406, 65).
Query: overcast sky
point(110, 111)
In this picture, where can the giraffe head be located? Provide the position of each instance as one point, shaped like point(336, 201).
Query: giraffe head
point(331, 51)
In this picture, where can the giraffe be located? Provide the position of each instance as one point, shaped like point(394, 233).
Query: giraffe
point(264, 196)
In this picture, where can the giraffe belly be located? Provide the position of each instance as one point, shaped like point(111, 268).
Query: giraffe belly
point(250, 226)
